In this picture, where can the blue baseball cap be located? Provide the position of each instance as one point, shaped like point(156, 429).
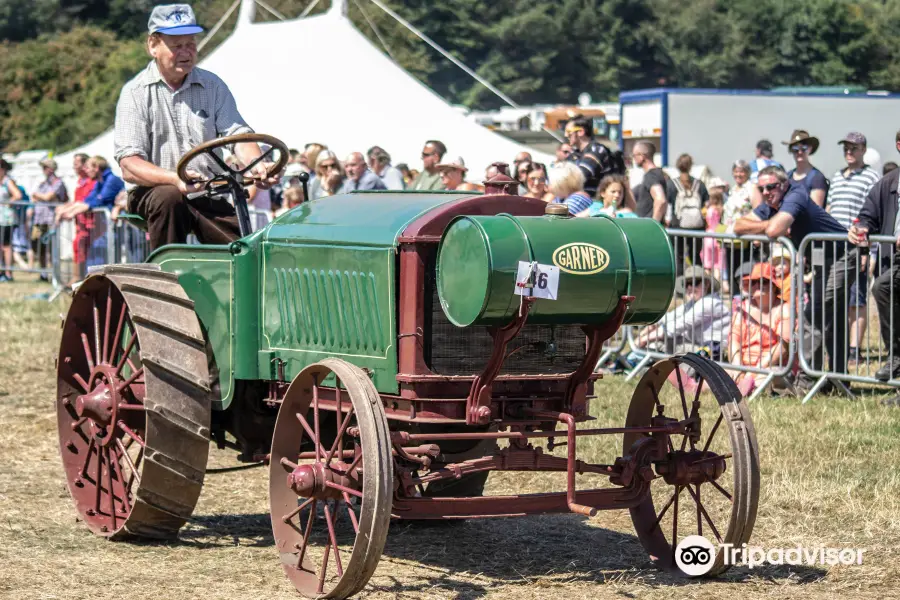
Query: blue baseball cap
point(173, 19)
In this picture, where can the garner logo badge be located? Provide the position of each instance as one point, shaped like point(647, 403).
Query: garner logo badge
point(580, 258)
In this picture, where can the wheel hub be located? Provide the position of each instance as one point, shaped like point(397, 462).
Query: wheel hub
point(312, 481)
point(691, 468)
point(99, 405)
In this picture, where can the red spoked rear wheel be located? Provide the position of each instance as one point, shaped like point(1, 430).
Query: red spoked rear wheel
point(331, 480)
point(133, 404)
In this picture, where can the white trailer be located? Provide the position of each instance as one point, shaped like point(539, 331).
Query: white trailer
point(717, 127)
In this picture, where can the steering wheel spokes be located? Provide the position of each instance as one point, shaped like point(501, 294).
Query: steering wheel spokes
point(229, 175)
point(231, 180)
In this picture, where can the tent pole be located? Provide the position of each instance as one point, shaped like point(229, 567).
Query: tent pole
point(217, 26)
point(455, 61)
point(375, 29)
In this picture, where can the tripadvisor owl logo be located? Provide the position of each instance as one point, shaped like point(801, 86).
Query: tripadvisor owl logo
point(695, 555)
point(581, 258)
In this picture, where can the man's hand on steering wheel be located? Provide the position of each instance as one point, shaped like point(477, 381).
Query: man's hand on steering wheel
point(260, 175)
point(195, 182)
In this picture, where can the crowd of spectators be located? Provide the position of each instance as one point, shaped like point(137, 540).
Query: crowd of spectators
point(747, 284)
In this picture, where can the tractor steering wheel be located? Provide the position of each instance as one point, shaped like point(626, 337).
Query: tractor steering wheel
point(235, 175)
point(230, 180)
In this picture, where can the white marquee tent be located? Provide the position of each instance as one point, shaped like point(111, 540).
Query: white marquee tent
point(276, 72)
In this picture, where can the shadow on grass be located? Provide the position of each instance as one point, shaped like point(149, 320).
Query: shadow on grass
point(469, 559)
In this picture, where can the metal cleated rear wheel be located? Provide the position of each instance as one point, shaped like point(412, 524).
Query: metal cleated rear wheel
point(133, 403)
point(330, 488)
point(708, 483)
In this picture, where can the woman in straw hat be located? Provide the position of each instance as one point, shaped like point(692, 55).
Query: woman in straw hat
point(802, 146)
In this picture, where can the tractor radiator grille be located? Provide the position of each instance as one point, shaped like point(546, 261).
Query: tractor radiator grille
point(537, 350)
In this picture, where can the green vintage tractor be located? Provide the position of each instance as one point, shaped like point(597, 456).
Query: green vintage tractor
point(384, 353)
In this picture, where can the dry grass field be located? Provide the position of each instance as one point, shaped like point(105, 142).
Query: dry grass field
point(829, 477)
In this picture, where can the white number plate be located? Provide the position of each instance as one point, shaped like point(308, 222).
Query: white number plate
point(537, 280)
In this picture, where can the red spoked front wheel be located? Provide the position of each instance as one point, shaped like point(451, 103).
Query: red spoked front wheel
point(331, 480)
point(707, 484)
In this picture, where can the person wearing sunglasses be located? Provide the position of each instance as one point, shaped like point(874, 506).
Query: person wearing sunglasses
point(787, 210)
point(521, 166)
point(430, 177)
point(802, 146)
point(562, 153)
point(595, 160)
point(536, 180)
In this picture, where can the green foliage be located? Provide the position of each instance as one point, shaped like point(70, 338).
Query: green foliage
point(61, 90)
point(62, 62)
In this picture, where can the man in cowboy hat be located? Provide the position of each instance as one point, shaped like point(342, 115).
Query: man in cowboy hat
point(802, 146)
point(168, 109)
point(453, 175)
point(703, 320)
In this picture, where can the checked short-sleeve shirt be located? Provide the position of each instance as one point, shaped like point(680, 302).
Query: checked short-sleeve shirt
point(160, 124)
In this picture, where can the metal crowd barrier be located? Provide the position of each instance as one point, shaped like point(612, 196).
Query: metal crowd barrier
point(738, 257)
point(841, 276)
point(86, 241)
point(132, 244)
point(27, 242)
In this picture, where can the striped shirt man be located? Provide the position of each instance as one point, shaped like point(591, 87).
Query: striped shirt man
point(848, 191)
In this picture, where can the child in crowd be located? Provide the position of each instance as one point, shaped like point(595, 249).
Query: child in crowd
point(614, 199)
point(293, 196)
point(712, 256)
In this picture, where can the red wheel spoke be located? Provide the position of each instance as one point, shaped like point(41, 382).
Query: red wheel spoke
point(659, 405)
point(354, 464)
point(106, 326)
point(309, 524)
point(340, 436)
point(712, 458)
point(312, 436)
point(699, 521)
point(125, 503)
point(109, 482)
point(97, 481)
point(350, 511)
point(286, 518)
point(97, 333)
point(701, 510)
point(81, 382)
point(115, 340)
point(288, 464)
point(316, 422)
point(125, 354)
point(337, 555)
point(134, 472)
point(712, 432)
point(130, 432)
point(342, 488)
point(137, 407)
point(321, 587)
point(675, 521)
point(123, 452)
point(77, 424)
point(87, 458)
point(130, 380)
point(721, 489)
point(87, 351)
point(681, 390)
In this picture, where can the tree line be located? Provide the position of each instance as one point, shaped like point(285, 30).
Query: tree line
point(62, 62)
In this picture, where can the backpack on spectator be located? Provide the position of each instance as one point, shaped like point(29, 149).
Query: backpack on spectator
point(689, 205)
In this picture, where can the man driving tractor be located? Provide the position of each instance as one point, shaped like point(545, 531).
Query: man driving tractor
point(164, 112)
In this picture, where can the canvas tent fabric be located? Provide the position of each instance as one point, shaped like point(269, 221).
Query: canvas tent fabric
point(318, 79)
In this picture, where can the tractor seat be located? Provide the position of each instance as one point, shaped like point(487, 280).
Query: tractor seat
point(135, 219)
